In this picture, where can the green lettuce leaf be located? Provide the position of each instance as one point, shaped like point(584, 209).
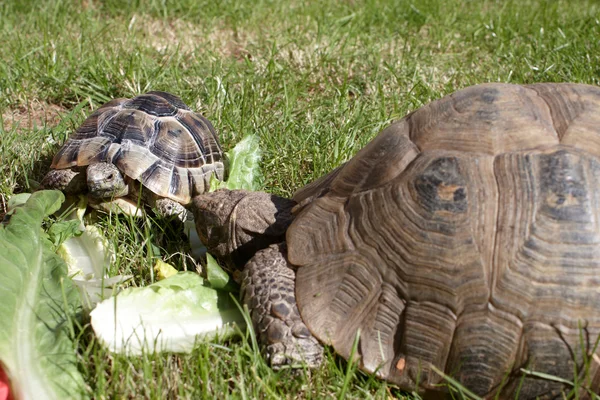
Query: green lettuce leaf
point(17, 200)
point(244, 166)
point(63, 230)
point(215, 275)
point(169, 315)
point(38, 301)
point(88, 257)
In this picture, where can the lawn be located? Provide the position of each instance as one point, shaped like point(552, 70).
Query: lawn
point(315, 80)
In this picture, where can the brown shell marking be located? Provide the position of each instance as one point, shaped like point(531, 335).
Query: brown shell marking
point(153, 138)
point(464, 236)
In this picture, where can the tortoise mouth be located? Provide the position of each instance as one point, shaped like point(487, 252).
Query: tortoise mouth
point(104, 190)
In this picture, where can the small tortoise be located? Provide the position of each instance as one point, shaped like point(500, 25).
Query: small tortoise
point(153, 144)
point(464, 238)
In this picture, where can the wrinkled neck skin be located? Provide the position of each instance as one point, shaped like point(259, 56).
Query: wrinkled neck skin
point(235, 224)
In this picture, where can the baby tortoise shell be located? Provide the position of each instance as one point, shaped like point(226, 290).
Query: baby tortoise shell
point(154, 139)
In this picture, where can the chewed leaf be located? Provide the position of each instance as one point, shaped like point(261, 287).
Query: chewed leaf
point(169, 315)
point(37, 304)
point(88, 256)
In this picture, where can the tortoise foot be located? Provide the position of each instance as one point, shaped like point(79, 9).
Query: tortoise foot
point(268, 290)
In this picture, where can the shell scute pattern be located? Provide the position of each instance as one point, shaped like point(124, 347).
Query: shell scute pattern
point(153, 138)
point(476, 217)
point(159, 104)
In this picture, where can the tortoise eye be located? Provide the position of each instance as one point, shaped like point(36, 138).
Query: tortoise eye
point(110, 177)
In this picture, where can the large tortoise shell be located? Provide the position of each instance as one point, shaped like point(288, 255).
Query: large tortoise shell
point(464, 237)
point(153, 138)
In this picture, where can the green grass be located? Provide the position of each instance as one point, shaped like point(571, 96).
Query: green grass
point(315, 80)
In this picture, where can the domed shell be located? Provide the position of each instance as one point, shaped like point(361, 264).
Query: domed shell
point(153, 138)
point(464, 237)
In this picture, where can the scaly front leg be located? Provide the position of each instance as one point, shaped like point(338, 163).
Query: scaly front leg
point(268, 289)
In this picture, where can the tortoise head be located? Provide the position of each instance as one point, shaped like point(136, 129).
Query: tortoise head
point(167, 208)
point(104, 180)
point(235, 224)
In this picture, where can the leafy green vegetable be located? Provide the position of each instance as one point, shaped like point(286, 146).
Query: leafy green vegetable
point(244, 166)
point(63, 230)
point(169, 315)
point(87, 253)
point(88, 257)
point(217, 278)
point(37, 305)
point(17, 200)
point(172, 313)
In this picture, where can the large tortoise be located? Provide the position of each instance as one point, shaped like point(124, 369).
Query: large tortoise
point(465, 237)
point(151, 149)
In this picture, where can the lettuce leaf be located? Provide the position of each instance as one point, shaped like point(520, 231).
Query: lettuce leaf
point(169, 315)
point(38, 302)
point(244, 166)
point(217, 277)
point(88, 257)
point(61, 231)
